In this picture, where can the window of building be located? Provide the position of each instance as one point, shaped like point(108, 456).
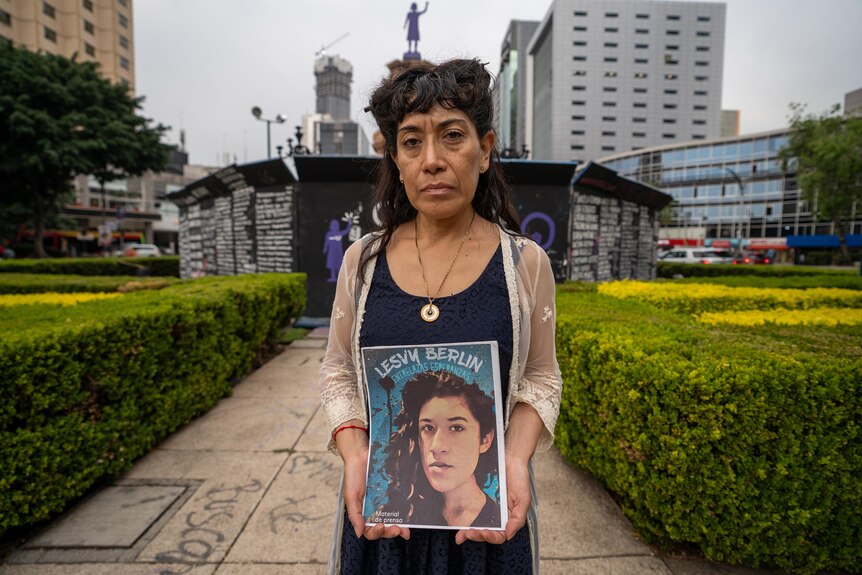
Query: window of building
point(609, 104)
point(698, 137)
point(609, 134)
point(579, 58)
point(670, 91)
point(668, 136)
point(611, 44)
point(580, 14)
point(669, 106)
point(609, 89)
point(579, 72)
point(124, 63)
point(577, 147)
point(579, 117)
point(611, 15)
point(640, 75)
point(700, 93)
point(610, 59)
point(610, 74)
point(702, 33)
point(672, 32)
point(50, 35)
point(88, 5)
point(124, 42)
point(641, 31)
point(642, 16)
point(124, 82)
point(670, 60)
point(5, 18)
point(611, 30)
point(673, 17)
point(579, 43)
point(608, 148)
point(89, 28)
point(671, 47)
point(638, 134)
point(578, 102)
point(703, 18)
point(89, 49)
point(48, 10)
point(699, 107)
point(123, 2)
point(580, 28)
point(124, 22)
point(698, 122)
point(701, 63)
point(639, 104)
point(702, 48)
point(577, 132)
point(637, 120)
point(579, 88)
point(701, 78)
point(609, 118)
point(640, 90)
point(641, 46)
point(641, 61)
point(669, 121)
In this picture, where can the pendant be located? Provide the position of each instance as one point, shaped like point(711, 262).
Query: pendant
point(430, 312)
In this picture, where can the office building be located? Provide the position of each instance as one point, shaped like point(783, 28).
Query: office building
point(511, 87)
point(96, 30)
point(729, 191)
point(729, 123)
point(334, 75)
point(608, 76)
point(330, 130)
point(853, 102)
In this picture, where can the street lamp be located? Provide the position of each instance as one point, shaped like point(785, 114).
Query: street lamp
point(279, 119)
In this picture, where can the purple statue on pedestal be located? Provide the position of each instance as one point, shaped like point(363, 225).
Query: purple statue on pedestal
point(413, 32)
point(333, 247)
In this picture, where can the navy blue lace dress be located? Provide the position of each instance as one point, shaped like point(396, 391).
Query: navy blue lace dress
point(479, 313)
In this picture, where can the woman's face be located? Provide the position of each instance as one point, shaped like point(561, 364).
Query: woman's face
point(439, 154)
point(450, 441)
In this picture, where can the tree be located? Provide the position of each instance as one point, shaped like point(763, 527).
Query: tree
point(60, 118)
point(826, 153)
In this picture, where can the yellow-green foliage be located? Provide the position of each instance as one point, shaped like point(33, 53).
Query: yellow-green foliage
point(742, 440)
point(816, 316)
point(19, 283)
point(700, 297)
point(52, 298)
point(89, 388)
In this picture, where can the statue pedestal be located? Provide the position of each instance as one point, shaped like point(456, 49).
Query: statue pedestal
point(412, 56)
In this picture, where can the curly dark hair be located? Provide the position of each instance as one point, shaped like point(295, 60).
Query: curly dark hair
point(408, 488)
point(456, 84)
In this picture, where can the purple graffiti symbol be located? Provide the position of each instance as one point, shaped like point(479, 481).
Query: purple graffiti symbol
point(537, 236)
point(333, 248)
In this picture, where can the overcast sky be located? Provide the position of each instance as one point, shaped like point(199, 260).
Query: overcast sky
point(203, 64)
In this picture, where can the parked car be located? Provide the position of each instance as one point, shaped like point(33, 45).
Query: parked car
point(142, 251)
point(697, 256)
point(753, 258)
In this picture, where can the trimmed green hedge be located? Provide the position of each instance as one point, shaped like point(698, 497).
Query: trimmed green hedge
point(20, 283)
point(743, 441)
point(160, 266)
point(670, 269)
point(843, 281)
point(88, 389)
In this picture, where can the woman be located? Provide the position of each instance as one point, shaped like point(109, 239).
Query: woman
point(446, 429)
point(447, 266)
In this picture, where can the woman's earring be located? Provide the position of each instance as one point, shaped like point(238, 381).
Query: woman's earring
point(482, 168)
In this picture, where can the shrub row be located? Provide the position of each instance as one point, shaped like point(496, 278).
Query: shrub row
point(743, 441)
point(88, 389)
point(20, 283)
point(671, 269)
point(843, 281)
point(160, 266)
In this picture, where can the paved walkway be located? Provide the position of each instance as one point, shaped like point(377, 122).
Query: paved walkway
point(248, 489)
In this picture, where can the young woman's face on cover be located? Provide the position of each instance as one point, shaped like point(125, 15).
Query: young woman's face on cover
point(451, 442)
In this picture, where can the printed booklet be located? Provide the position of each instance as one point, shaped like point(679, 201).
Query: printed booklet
point(436, 456)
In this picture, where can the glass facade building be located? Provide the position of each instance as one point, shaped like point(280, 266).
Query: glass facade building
point(731, 189)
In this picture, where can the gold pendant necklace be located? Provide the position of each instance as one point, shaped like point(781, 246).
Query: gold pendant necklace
point(431, 312)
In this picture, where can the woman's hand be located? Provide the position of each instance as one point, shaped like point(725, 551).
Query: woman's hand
point(353, 448)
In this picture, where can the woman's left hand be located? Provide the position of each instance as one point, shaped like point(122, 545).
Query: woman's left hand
point(518, 492)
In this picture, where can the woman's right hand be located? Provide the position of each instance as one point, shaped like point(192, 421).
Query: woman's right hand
point(353, 447)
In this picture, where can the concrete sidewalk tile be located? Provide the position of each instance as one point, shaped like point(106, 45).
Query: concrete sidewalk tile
point(316, 435)
point(577, 518)
point(604, 566)
point(207, 465)
point(318, 333)
point(705, 567)
point(204, 529)
point(265, 569)
point(298, 356)
point(246, 424)
point(102, 569)
point(318, 343)
point(283, 383)
point(295, 519)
